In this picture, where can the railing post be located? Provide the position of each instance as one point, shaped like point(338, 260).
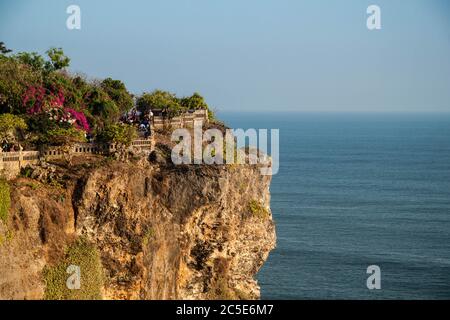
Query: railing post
point(20, 156)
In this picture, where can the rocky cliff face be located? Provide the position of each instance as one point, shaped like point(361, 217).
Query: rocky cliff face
point(159, 231)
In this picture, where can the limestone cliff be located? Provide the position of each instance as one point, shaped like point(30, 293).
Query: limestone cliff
point(159, 231)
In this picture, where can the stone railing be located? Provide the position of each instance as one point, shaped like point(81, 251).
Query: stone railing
point(186, 120)
point(12, 162)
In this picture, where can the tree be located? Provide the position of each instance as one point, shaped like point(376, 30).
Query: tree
point(3, 49)
point(33, 59)
point(65, 136)
point(15, 79)
point(58, 60)
point(118, 93)
point(194, 102)
point(11, 128)
point(159, 100)
point(101, 107)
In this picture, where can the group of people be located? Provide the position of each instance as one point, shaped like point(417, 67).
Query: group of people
point(9, 147)
point(143, 122)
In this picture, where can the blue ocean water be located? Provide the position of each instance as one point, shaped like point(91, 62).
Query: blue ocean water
point(356, 190)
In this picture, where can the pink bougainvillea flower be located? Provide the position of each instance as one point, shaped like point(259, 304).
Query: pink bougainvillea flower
point(81, 121)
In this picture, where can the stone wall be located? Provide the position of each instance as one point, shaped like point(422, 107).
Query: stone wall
point(186, 120)
point(12, 162)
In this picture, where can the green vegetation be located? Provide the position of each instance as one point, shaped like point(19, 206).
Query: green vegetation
point(81, 254)
point(194, 102)
point(44, 104)
point(57, 60)
point(161, 100)
point(56, 107)
point(258, 210)
point(26, 172)
point(118, 133)
point(170, 103)
point(11, 128)
point(5, 199)
point(62, 137)
point(7, 237)
point(117, 91)
point(148, 236)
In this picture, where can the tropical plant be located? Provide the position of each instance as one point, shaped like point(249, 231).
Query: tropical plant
point(159, 100)
point(11, 128)
point(118, 93)
point(102, 108)
point(15, 78)
point(118, 133)
point(194, 102)
point(58, 60)
point(33, 59)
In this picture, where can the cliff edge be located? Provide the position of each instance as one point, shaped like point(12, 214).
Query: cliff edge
point(140, 229)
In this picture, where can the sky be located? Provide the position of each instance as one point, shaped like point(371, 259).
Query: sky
point(253, 55)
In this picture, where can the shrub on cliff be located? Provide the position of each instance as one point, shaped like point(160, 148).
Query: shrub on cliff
point(258, 210)
point(81, 254)
point(118, 133)
point(62, 137)
point(171, 105)
point(117, 91)
point(194, 102)
point(5, 199)
point(159, 100)
point(11, 128)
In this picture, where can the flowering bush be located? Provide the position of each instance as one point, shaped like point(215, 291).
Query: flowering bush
point(80, 119)
point(38, 101)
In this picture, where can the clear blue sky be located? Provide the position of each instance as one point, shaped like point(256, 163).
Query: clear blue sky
point(308, 55)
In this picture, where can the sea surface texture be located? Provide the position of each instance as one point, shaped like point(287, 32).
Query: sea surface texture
point(356, 190)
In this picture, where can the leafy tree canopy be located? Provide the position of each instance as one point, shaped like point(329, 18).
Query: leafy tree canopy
point(58, 60)
point(33, 59)
point(194, 102)
point(119, 133)
point(118, 93)
point(169, 102)
point(159, 100)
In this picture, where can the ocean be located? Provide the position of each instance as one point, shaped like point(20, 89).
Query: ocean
point(356, 190)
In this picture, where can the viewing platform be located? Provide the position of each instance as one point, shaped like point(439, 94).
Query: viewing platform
point(12, 162)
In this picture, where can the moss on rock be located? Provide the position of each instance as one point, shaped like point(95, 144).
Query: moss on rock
point(85, 256)
point(5, 200)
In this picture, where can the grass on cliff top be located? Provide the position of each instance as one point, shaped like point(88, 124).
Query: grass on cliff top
point(5, 199)
point(258, 210)
point(81, 254)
